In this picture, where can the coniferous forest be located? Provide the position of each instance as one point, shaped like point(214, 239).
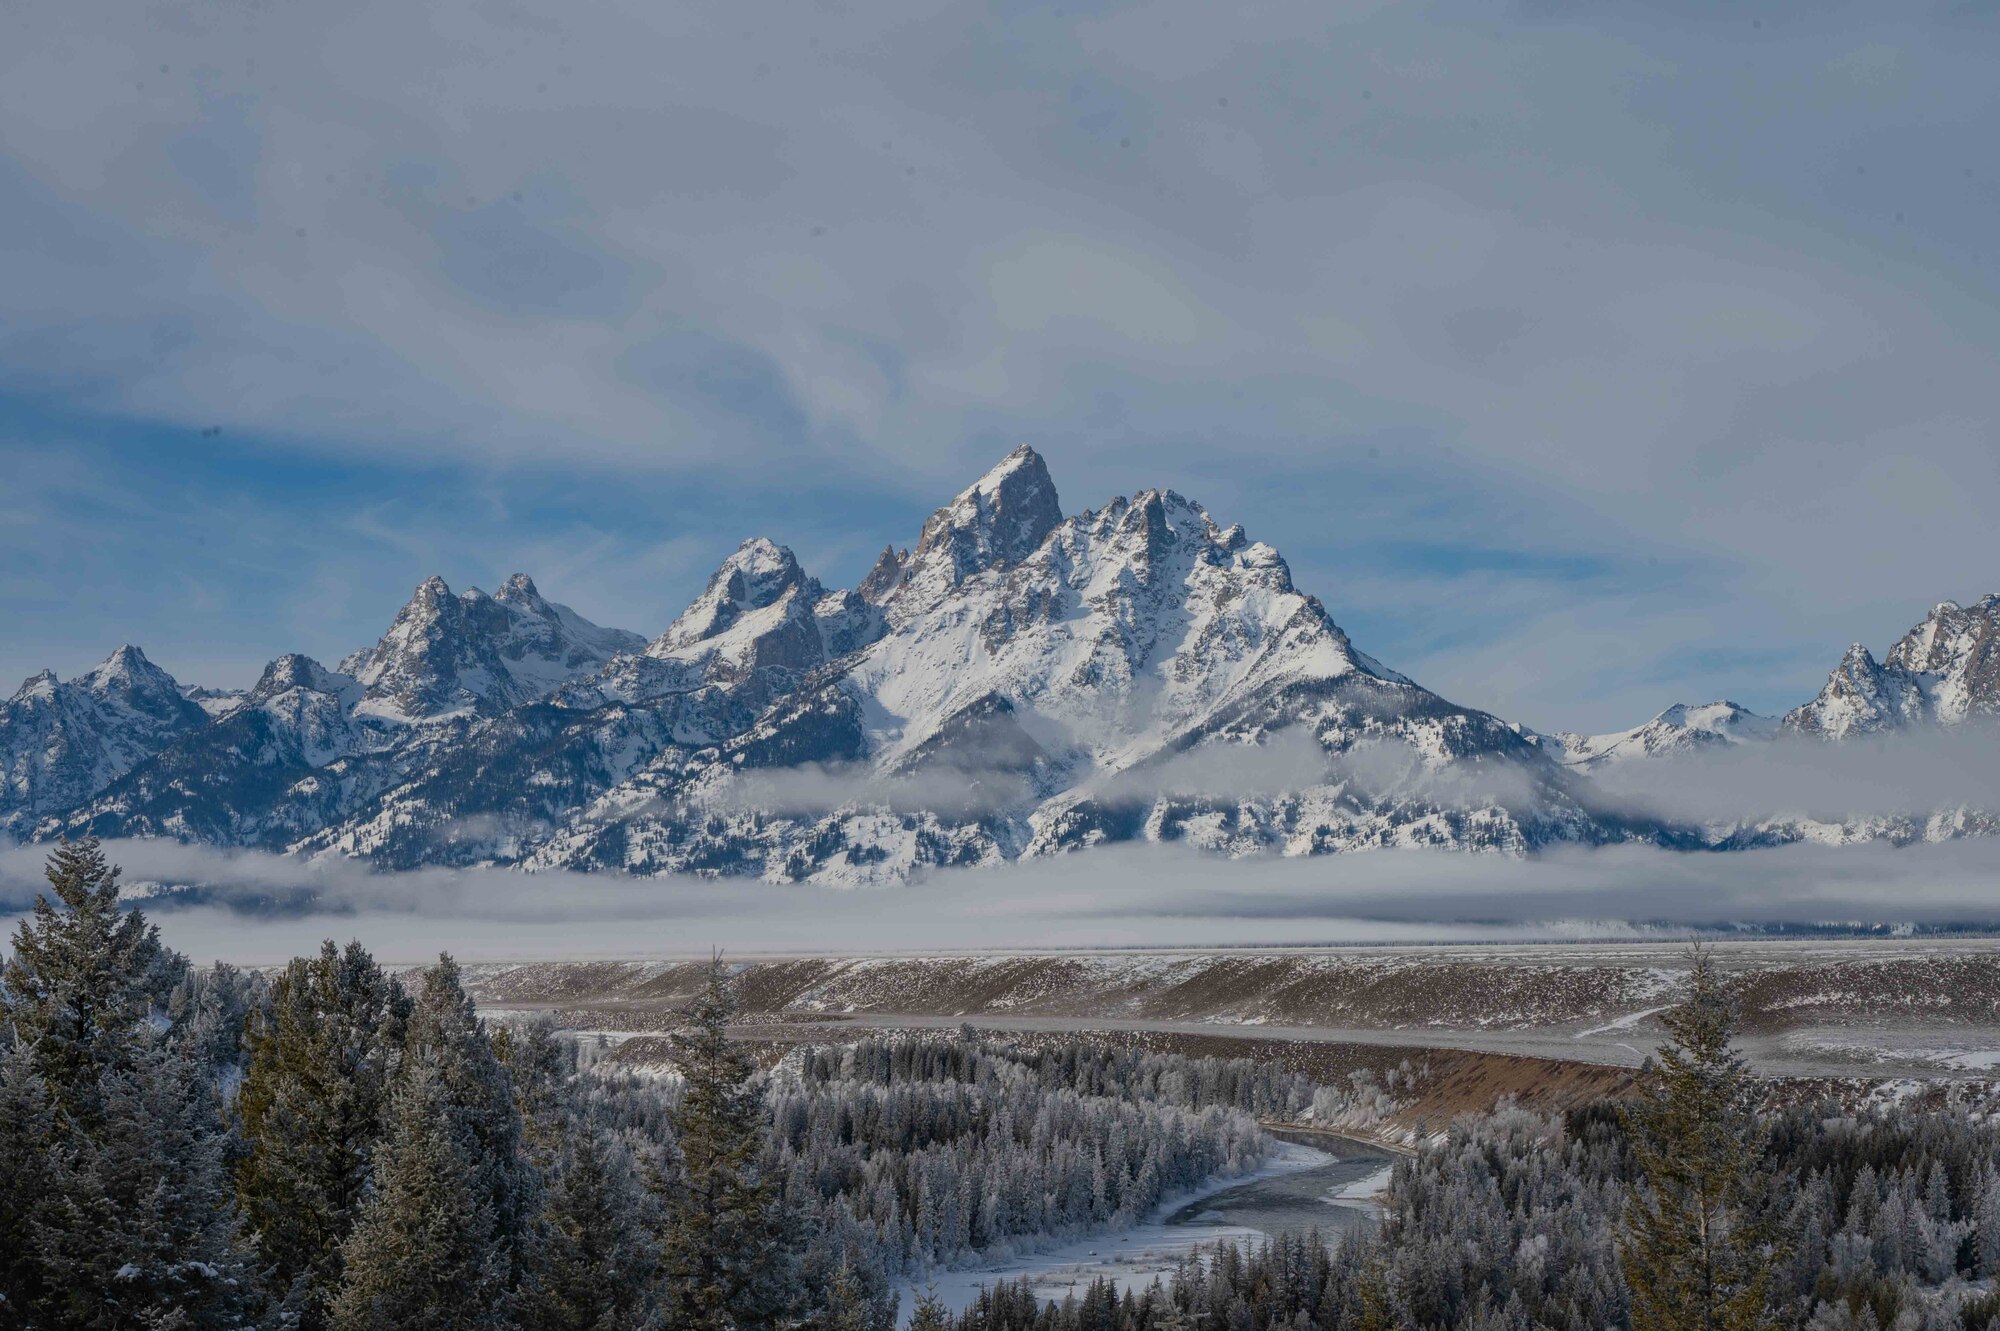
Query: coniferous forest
point(334, 1146)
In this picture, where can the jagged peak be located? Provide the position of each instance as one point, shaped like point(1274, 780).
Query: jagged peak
point(43, 681)
point(518, 589)
point(885, 576)
point(126, 669)
point(996, 522)
point(757, 574)
point(296, 670)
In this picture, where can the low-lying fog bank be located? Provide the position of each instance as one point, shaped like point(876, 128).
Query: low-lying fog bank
point(257, 908)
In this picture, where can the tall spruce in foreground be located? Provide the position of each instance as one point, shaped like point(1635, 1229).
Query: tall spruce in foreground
point(313, 1104)
point(727, 1259)
point(83, 978)
point(113, 1120)
point(1695, 1253)
point(438, 1242)
point(428, 1254)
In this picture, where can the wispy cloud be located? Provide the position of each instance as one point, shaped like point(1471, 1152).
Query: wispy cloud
point(1589, 291)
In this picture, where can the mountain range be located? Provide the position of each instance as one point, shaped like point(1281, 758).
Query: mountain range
point(1017, 683)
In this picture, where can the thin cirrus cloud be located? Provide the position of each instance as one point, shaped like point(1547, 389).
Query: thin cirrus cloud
point(1706, 296)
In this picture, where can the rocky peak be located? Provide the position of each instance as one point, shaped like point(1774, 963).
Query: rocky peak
point(1860, 697)
point(885, 576)
point(447, 653)
point(41, 684)
point(519, 589)
point(996, 522)
point(758, 575)
point(295, 670)
point(127, 672)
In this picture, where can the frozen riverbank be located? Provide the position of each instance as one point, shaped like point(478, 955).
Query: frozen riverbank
point(1299, 1187)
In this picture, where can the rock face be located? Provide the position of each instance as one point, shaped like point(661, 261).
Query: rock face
point(1016, 683)
point(1945, 671)
point(61, 742)
point(446, 654)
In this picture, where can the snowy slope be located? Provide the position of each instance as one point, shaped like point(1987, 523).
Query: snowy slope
point(1678, 731)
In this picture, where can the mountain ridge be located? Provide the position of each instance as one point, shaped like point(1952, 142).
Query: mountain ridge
point(1015, 683)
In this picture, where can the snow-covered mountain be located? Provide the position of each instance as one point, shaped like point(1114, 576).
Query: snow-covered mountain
point(1945, 671)
point(1679, 730)
point(1017, 682)
point(62, 742)
point(273, 765)
point(446, 654)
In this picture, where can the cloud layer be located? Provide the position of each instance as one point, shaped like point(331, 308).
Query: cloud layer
point(260, 908)
point(1655, 350)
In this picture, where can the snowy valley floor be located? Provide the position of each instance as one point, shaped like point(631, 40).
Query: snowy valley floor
point(1553, 1023)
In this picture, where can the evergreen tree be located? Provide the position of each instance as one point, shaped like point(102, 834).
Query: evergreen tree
point(83, 977)
point(27, 1136)
point(727, 1261)
point(427, 1253)
point(138, 1229)
point(592, 1264)
point(313, 1105)
point(132, 1224)
point(928, 1313)
point(1695, 1254)
point(445, 1034)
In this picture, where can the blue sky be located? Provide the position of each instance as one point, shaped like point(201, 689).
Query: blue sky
point(1582, 359)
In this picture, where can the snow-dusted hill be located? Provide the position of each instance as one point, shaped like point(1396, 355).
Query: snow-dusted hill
point(1018, 683)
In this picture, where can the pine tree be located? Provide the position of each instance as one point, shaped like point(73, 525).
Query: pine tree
point(427, 1253)
point(83, 977)
point(929, 1313)
point(313, 1104)
point(727, 1259)
point(1696, 1255)
point(138, 1229)
point(27, 1137)
point(445, 1034)
point(133, 1225)
point(592, 1262)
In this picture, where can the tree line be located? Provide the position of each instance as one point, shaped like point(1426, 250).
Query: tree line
point(328, 1149)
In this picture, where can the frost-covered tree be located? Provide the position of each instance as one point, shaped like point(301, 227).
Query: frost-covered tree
point(27, 1134)
point(132, 1223)
point(727, 1255)
point(312, 1106)
point(1696, 1256)
point(445, 1034)
point(427, 1253)
point(83, 979)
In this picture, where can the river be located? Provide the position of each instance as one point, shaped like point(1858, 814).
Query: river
point(1311, 1180)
